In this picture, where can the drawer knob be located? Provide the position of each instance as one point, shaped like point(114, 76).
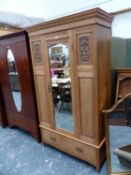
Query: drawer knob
point(79, 150)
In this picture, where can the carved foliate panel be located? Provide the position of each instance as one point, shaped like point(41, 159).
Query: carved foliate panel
point(84, 42)
point(37, 52)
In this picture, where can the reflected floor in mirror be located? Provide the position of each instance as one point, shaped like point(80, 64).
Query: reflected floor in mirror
point(120, 136)
point(20, 154)
point(64, 117)
point(17, 99)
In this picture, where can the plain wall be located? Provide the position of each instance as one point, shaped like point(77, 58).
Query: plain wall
point(118, 52)
point(120, 57)
point(128, 53)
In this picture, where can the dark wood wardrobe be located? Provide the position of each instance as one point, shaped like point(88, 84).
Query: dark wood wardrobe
point(17, 85)
point(3, 118)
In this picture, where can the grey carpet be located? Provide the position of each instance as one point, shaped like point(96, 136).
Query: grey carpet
point(20, 154)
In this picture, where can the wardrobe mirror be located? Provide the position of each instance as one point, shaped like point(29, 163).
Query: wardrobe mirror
point(59, 61)
point(14, 79)
point(118, 128)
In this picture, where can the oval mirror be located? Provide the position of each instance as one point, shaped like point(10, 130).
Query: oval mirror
point(14, 79)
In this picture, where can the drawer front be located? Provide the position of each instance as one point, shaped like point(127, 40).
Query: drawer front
point(70, 145)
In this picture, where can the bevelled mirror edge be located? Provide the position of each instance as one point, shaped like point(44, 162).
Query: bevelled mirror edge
point(106, 113)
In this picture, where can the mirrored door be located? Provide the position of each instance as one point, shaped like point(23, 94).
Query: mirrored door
point(60, 78)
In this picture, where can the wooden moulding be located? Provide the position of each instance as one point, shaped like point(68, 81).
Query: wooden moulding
point(94, 16)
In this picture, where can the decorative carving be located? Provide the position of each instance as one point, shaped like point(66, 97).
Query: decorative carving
point(84, 42)
point(37, 52)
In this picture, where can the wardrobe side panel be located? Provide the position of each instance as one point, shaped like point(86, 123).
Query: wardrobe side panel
point(39, 75)
point(104, 74)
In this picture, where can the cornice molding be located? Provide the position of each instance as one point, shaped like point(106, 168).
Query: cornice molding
point(95, 15)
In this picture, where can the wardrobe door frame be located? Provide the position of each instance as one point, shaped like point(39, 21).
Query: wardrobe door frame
point(86, 72)
point(50, 39)
point(39, 77)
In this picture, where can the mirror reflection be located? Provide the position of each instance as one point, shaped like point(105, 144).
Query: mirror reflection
point(13, 79)
point(61, 85)
point(119, 130)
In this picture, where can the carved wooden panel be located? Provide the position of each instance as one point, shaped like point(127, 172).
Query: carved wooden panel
point(37, 51)
point(84, 48)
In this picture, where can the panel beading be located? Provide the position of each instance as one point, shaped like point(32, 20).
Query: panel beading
point(84, 49)
point(37, 52)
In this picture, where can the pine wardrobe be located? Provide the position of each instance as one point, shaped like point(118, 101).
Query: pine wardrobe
point(71, 65)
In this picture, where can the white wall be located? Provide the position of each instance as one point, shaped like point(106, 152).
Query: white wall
point(49, 9)
point(53, 8)
point(121, 26)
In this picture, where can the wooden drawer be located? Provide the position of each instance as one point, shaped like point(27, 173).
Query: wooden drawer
point(70, 145)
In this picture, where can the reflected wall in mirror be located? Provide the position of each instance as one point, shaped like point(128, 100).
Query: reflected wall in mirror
point(119, 136)
point(61, 85)
point(14, 79)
